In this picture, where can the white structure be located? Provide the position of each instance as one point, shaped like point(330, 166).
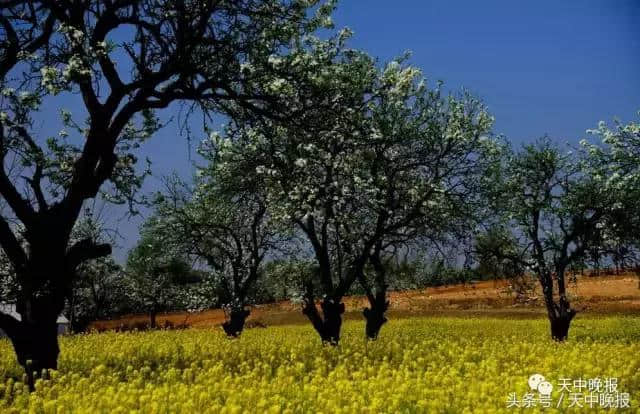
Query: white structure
point(63, 323)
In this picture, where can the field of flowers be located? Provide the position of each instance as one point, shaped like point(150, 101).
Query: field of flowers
point(418, 365)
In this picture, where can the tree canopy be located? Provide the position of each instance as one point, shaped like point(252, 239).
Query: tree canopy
point(121, 61)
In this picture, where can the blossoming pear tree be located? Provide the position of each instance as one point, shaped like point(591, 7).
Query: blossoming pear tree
point(119, 61)
point(386, 161)
point(223, 223)
point(560, 203)
point(299, 162)
point(617, 156)
point(422, 171)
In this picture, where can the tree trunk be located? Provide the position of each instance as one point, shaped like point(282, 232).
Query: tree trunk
point(332, 313)
point(35, 341)
point(378, 302)
point(375, 316)
point(559, 313)
point(234, 326)
point(44, 285)
point(80, 326)
point(152, 319)
point(329, 324)
point(560, 316)
point(560, 327)
point(37, 348)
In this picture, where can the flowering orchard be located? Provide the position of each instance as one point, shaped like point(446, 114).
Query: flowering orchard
point(391, 161)
point(174, 52)
point(328, 155)
point(417, 365)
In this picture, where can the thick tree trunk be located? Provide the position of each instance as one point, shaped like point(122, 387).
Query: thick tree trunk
point(560, 316)
point(329, 324)
point(332, 313)
point(35, 341)
point(374, 316)
point(559, 312)
point(234, 326)
point(37, 348)
point(44, 285)
point(560, 327)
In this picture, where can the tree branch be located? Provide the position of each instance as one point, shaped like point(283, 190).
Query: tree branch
point(9, 324)
point(11, 246)
point(86, 249)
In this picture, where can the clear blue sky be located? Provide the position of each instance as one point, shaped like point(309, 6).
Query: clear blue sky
point(542, 67)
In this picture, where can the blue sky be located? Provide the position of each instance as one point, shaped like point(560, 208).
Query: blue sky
point(542, 67)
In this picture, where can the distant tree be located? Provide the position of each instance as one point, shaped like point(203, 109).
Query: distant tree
point(97, 291)
point(617, 156)
point(159, 278)
point(498, 253)
point(223, 223)
point(558, 203)
point(121, 60)
point(284, 279)
point(8, 282)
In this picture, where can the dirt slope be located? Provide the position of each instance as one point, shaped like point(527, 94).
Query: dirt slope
point(592, 295)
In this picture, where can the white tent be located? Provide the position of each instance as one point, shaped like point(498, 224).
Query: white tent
point(7, 309)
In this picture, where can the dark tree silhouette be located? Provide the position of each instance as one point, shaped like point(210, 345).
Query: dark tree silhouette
point(122, 59)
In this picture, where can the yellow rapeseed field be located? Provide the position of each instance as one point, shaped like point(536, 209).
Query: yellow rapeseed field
point(418, 365)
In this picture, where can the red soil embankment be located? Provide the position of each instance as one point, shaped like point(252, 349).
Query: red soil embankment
point(593, 295)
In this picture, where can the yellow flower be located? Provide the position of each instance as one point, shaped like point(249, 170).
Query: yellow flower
point(417, 365)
